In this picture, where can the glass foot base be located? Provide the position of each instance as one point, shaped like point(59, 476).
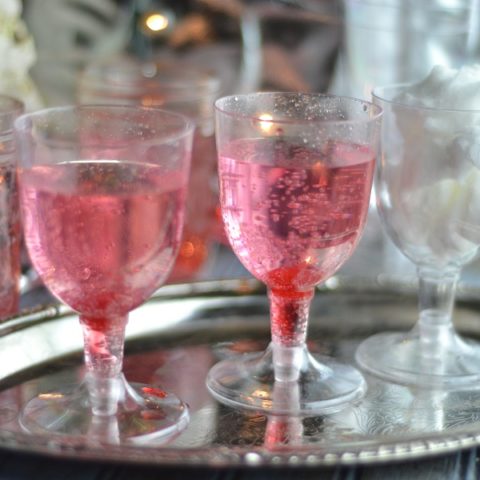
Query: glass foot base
point(406, 358)
point(314, 385)
point(144, 414)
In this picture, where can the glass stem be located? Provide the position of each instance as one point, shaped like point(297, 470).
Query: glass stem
point(103, 349)
point(288, 319)
point(436, 302)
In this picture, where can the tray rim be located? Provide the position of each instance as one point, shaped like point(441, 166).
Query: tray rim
point(229, 457)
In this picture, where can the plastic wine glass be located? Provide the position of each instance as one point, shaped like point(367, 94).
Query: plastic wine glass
point(102, 195)
point(428, 196)
point(295, 178)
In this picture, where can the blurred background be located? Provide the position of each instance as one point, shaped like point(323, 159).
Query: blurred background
point(342, 46)
point(183, 54)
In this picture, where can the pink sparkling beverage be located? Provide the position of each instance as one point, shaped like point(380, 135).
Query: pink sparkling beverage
point(10, 228)
point(10, 241)
point(102, 234)
point(201, 221)
point(294, 215)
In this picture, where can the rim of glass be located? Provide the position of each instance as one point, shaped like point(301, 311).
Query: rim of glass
point(21, 124)
point(398, 87)
point(375, 109)
point(186, 78)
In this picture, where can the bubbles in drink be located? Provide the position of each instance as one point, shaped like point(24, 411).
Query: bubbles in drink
point(293, 214)
point(102, 235)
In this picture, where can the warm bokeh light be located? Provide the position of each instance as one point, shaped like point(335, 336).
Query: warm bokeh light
point(260, 394)
point(156, 22)
point(52, 395)
point(265, 122)
point(152, 100)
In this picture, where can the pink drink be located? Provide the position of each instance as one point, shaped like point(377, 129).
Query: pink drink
point(10, 235)
point(102, 234)
point(200, 217)
point(293, 215)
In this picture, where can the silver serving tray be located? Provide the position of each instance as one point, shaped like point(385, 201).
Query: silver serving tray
point(174, 339)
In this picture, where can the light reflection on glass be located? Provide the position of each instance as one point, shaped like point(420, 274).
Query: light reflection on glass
point(265, 122)
point(51, 395)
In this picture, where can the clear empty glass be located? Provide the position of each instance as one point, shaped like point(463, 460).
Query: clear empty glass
point(102, 194)
point(428, 195)
point(295, 178)
point(398, 41)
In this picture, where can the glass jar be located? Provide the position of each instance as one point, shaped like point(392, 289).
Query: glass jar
point(192, 92)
